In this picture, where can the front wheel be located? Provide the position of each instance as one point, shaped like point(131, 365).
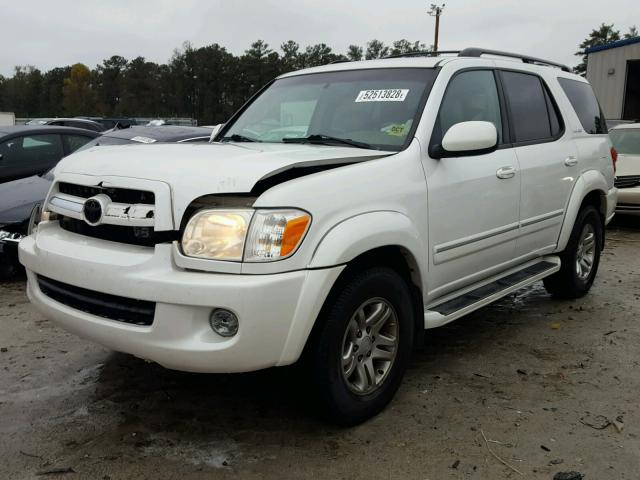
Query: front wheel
point(363, 346)
point(580, 259)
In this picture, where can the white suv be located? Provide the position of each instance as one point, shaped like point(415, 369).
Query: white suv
point(340, 213)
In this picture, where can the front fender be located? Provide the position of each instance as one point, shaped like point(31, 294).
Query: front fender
point(356, 235)
point(589, 181)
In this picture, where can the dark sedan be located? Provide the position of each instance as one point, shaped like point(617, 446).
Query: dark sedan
point(83, 123)
point(30, 150)
point(18, 198)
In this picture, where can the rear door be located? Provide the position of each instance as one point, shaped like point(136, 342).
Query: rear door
point(473, 201)
point(27, 155)
point(547, 158)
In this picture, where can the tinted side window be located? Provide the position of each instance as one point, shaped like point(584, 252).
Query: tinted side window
point(74, 142)
point(528, 106)
point(471, 95)
point(31, 148)
point(585, 104)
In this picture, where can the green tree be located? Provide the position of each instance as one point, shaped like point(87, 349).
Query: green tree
point(600, 36)
point(109, 84)
point(632, 33)
point(51, 97)
point(290, 59)
point(403, 46)
point(376, 49)
point(355, 53)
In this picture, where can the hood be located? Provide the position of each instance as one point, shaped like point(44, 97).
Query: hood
point(18, 197)
point(195, 170)
point(627, 165)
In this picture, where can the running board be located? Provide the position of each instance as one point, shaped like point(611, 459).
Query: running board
point(458, 304)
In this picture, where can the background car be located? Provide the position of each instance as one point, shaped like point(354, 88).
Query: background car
point(626, 141)
point(112, 122)
point(611, 124)
point(38, 121)
point(77, 123)
point(19, 197)
point(29, 150)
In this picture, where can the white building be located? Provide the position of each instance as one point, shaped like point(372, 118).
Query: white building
point(614, 72)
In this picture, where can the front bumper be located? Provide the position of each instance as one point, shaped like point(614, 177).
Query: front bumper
point(628, 201)
point(276, 311)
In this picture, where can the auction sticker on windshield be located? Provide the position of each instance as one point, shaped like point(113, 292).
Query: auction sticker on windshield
point(386, 95)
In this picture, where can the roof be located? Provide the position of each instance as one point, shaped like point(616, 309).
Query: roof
point(164, 133)
point(616, 44)
point(44, 129)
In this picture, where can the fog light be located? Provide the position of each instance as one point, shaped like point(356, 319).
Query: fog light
point(224, 322)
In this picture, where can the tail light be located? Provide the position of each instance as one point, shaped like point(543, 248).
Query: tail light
point(614, 158)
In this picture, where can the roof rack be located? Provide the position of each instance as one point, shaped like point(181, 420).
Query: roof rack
point(474, 52)
point(478, 52)
point(424, 53)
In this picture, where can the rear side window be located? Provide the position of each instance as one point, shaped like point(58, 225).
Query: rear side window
point(74, 142)
point(585, 104)
point(533, 115)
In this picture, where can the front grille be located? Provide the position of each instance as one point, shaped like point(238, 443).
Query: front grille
point(627, 181)
point(117, 195)
point(143, 236)
point(113, 307)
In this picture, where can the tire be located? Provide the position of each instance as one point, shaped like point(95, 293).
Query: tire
point(375, 294)
point(572, 281)
point(8, 269)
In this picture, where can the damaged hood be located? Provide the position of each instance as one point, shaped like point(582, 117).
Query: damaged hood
point(195, 170)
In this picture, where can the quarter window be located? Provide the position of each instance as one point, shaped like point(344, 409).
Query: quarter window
point(471, 95)
point(533, 116)
point(585, 104)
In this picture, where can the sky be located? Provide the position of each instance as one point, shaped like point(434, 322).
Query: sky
point(48, 34)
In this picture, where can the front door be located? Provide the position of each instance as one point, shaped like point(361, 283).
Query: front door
point(473, 201)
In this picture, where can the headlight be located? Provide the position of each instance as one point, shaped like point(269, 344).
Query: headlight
point(249, 235)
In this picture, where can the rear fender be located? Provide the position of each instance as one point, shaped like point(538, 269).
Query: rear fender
point(588, 182)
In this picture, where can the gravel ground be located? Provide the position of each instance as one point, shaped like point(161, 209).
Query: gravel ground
point(547, 386)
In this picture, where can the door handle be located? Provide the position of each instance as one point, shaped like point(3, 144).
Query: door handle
point(506, 172)
point(571, 161)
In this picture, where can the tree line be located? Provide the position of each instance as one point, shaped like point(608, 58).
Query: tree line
point(207, 83)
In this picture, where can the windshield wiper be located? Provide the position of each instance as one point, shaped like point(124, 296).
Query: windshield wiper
point(322, 139)
point(238, 138)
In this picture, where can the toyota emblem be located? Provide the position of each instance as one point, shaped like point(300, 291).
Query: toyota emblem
point(92, 211)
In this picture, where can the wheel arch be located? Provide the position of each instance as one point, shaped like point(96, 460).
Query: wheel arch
point(590, 189)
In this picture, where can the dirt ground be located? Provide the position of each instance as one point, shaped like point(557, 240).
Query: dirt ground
point(537, 378)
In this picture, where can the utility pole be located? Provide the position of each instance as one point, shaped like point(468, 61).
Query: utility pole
point(435, 11)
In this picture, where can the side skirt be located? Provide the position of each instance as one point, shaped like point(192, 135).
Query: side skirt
point(473, 297)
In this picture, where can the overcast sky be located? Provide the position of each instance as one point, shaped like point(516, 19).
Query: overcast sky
point(48, 33)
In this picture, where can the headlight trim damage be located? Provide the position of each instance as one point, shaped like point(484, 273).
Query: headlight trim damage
point(245, 234)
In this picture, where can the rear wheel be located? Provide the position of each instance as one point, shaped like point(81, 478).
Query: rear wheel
point(363, 347)
point(580, 259)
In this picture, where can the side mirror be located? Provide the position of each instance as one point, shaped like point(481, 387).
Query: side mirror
point(215, 131)
point(469, 138)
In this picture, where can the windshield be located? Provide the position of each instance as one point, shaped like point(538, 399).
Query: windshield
point(375, 107)
point(626, 140)
point(96, 142)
